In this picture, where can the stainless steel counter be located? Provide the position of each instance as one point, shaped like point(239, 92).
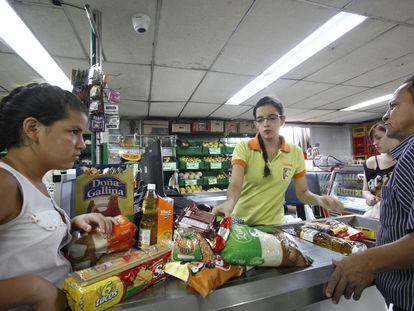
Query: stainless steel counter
point(259, 289)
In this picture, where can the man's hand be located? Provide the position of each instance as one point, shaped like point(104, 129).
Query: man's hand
point(350, 277)
point(331, 203)
point(86, 221)
point(226, 208)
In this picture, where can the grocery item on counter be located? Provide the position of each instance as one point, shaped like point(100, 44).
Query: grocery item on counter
point(249, 246)
point(149, 222)
point(165, 210)
point(106, 284)
point(208, 279)
point(105, 189)
point(331, 242)
point(197, 220)
point(85, 248)
point(190, 245)
point(369, 232)
point(347, 231)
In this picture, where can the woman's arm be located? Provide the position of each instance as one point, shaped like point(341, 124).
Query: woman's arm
point(233, 192)
point(307, 197)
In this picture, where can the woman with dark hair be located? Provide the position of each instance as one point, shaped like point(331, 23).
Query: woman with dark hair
point(41, 128)
point(378, 169)
point(262, 170)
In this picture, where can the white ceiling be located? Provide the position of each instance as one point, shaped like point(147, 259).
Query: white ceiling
point(197, 54)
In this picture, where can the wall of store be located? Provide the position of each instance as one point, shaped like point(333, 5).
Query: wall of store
point(333, 140)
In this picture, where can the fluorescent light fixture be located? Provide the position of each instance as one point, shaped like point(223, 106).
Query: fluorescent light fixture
point(333, 29)
point(370, 102)
point(18, 36)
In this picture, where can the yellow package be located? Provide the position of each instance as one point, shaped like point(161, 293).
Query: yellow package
point(105, 189)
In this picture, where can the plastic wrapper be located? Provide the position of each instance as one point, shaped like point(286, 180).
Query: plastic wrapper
point(191, 246)
point(85, 249)
point(197, 220)
point(208, 279)
point(106, 284)
point(249, 246)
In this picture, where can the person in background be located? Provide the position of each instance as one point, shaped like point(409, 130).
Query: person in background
point(262, 170)
point(391, 262)
point(377, 169)
point(41, 128)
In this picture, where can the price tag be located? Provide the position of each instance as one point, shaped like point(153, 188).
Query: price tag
point(192, 165)
point(214, 150)
point(215, 165)
point(169, 166)
point(190, 182)
point(212, 180)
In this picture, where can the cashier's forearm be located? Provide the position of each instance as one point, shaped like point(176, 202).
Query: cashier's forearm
point(396, 255)
point(308, 197)
point(233, 194)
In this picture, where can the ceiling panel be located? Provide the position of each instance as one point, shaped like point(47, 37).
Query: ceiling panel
point(356, 117)
point(165, 109)
point(379, 109)
point(393, 85)
point(273, 90)
point(198, 110)
point(269, 31)
point(354, 39)
point(365, 59)
point(50, 25)
point(328, 96)
point(133, 109)
point(350, 116)
point(389, 72)
point(4, 47)
point(15, 72)
point(229, 111)
point(399, 10)
point(248, 115)
point(174, 84)
point(219, 87)
point(131, 80)
point(333, 3)
point(209, 23)
point(313, 114)
point(301, 90)
point(355, 99)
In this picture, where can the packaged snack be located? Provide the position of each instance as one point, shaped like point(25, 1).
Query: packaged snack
point(249, 246)
point(368, 232)
point(105, 189)
point(197, 220)
point(85, 249)
point(106, 284)
point(347, 232)
point(186, 246)
point(208, 279)
point(165, 210)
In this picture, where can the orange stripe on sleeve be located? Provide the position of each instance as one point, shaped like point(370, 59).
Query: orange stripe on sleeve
point(299, 175)
point(239, 162)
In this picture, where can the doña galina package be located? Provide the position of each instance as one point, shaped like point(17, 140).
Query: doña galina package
point(105, 189)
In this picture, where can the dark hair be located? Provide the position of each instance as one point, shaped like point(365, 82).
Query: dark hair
point(46, 103)
point(377, 126)
point(410, 87)
point(279, 107)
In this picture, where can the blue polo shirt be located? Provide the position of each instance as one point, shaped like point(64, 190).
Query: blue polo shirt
point(397, 219)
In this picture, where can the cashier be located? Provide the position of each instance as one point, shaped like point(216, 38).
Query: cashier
point(262, 170)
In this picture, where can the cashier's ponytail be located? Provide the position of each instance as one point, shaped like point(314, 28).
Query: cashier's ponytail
point(46, 103)
point(280, 109)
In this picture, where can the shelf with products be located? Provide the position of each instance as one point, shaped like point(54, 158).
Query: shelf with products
point(346, 184)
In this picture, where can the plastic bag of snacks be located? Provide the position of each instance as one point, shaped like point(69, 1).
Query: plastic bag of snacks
point(204, 280)
point(85, 249)
point(251, 247)
point(197, 220)
point(106, 284)
point(191, 246)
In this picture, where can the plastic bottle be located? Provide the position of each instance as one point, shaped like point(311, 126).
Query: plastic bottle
point(149, 222)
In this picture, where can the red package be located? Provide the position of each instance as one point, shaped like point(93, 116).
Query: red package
point(197, 220)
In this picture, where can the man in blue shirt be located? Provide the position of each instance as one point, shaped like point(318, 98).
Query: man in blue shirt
point(391, 263)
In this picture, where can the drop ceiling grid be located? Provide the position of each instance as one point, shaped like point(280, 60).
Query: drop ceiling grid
point(229, 111)
point(301, 90)
point(270, 30)
point(273, 90)
point(198, 110)
point(202, 30)
point(15, 72)
point(133, 109)
point(165, 109)
point(398, 10)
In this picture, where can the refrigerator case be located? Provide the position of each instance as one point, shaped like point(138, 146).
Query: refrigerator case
point(346, 184)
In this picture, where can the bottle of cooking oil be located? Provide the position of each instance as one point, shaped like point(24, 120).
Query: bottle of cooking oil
point(149, 221)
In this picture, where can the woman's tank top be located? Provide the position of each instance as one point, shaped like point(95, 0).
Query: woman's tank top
point(31, 243)
point(376, 178)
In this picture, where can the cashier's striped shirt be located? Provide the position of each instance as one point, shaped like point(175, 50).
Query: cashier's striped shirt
point(397, 219)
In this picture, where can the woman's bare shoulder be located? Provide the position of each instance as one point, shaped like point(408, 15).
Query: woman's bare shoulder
point(371, 163)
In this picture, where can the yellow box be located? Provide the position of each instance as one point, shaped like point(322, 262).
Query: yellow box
point(370, 233)
point(165, 219)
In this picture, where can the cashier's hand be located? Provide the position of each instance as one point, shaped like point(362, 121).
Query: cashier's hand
point(331, 203)
point(226, 208)
point(350, 277)
point(85, 222)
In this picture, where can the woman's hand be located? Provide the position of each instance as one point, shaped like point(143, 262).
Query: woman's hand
point(226, 208)
point(331, 203)
point(372, 200)
point(86, 221)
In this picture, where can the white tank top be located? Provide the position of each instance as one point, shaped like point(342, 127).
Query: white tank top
point(31, 243)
